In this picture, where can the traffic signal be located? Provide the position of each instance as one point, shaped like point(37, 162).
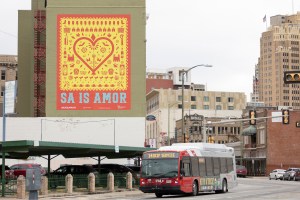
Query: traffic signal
point(291, 77)
point(285, 116)
point(252, 116)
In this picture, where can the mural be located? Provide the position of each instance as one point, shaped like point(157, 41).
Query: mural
point(93, 62)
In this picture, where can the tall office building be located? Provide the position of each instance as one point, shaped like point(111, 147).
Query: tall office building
point(279, 52)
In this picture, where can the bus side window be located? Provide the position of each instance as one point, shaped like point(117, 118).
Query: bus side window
point(186, 167)
point(230, 164)
point(195, 168)
point(216, 166)
point(202, 168)
point(223, 165)
point(209, 166)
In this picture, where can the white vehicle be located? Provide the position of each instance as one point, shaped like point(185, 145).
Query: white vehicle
point(277, 174)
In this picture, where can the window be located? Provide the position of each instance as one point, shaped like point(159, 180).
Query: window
point(230, 108)
point(195, 167)
point(206, 99)
point(230, 99)
point(218, 99)
point(2, 91)
point(186, 166)
point(193, 98)
point(193, 107)
point(209, 166)
point(223, 165)
point(229, 164)
point(218, 107)
point(202, 168)
point(179, 98)
point(216, 166)
point(206, 107)
point(179, 106)
point(262, 136)
point(2, 74)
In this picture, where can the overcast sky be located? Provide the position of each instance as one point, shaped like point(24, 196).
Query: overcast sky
point(185, 33)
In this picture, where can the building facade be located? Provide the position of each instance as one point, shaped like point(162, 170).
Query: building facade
point(279, 52)
point(82, 59)
point(220, 130)
point(166, 106)
point(9, 72)
point(270, 144)
point(81, 74)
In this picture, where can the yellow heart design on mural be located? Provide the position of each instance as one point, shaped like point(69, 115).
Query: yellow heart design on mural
point(93, 52)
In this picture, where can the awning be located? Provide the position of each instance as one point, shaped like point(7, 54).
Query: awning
point(250, 130)
point(22, 149)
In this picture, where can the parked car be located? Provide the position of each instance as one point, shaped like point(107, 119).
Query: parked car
point(136, 169)
point(119, 171)
point(276, 174)
point(20, 169)
point(79, 172)
point(9, 173)
point(241, 171)
point(297, 175)
point(289, 174)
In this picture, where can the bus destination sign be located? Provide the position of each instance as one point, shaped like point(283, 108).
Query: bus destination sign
point(158, 155)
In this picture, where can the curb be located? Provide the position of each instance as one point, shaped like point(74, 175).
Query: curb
point(126, 192)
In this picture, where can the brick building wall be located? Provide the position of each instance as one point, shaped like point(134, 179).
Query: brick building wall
point(283, 143)
point(158, 84)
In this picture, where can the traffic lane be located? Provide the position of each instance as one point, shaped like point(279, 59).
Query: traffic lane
point(250, 189)
point(247, 189)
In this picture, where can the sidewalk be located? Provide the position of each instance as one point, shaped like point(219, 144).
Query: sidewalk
point(118, 194)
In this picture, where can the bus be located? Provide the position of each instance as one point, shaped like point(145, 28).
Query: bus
point(188, 168)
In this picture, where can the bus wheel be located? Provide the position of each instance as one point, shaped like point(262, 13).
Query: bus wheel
point(195, 189)
point(158, 195)
point(224, 187)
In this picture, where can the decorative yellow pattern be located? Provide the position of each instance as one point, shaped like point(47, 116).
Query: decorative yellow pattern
point(93, 53)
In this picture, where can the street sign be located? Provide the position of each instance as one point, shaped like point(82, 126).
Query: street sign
point(117, 149)
point(196, 117)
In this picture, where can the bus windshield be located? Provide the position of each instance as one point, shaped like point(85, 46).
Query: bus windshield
point(159, 168)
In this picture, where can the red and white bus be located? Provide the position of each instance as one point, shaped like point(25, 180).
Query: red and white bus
point(188, 168)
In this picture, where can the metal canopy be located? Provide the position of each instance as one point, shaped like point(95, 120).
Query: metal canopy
point(22, 149)
point(250, 130)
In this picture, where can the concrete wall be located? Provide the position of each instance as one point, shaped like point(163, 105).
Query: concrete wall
point(104, 131)
point(25, 64)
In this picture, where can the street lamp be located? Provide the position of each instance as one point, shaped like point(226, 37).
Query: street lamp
point(183, 72)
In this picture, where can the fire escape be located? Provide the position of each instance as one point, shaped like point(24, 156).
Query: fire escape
point(39, 63)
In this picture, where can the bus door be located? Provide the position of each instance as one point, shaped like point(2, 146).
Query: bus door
point(185, 175)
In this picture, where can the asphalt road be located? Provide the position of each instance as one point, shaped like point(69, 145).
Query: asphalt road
point(259, 188)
